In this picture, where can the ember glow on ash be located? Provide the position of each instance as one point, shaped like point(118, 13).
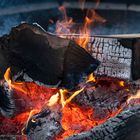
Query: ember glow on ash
point(29, 98)
point(75, 118)
point(53, 100)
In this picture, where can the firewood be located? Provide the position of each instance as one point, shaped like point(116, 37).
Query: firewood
point(119, 54)
point(125, 126)
point(44, 57)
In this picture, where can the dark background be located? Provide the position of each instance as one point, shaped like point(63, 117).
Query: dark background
point(118, 21)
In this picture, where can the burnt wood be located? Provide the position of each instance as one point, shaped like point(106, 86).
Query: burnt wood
point(44, 57)
point(125, 126)
point(7, 104)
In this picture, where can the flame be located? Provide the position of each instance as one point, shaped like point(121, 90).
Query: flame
point(137, 96)
point(76, 119)
point(91, 78)
point(63, 92)
point(7, 77)
point(122, 83)
point(66, 26)
point(63, 10)
point(84, 33)
point(32, 112)
point(53, 100)
point(32, 98)
point(14, 85)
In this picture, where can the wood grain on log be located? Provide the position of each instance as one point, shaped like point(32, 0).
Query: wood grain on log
point(119, 54)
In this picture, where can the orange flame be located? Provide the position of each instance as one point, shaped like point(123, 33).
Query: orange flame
point(7, 77)
point(63, 92)
point(91, 78)
point(66, 26)
point(75, 119)
point(14, 85)
point(84, 33)
point(122, 83)
point(53, 100)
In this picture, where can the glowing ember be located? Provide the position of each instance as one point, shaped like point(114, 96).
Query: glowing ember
point(29, 98)
point(91, 78)
point(53, 100)
point(122, 83)
point(137, 96)
point(75, 118)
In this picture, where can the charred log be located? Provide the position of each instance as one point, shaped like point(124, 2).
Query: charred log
point(45, 125)
point(7, 104)
point(119, 56)
point(125, 126)
point(44, 57)
point(106, 96)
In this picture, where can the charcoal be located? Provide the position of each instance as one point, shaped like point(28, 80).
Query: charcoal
point(46, 125)
point(105, 90)
point(7, 104)
point(44, 57)
point(106, 98)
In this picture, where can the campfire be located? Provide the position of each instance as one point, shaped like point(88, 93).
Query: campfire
point(70, 85)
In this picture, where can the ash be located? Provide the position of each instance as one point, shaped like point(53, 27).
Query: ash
point(44, 125)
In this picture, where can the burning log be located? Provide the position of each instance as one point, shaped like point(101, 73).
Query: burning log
point(44, 57)
point(123, 126)
point(101, 99)
point(45, 125)
point(62, 63)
